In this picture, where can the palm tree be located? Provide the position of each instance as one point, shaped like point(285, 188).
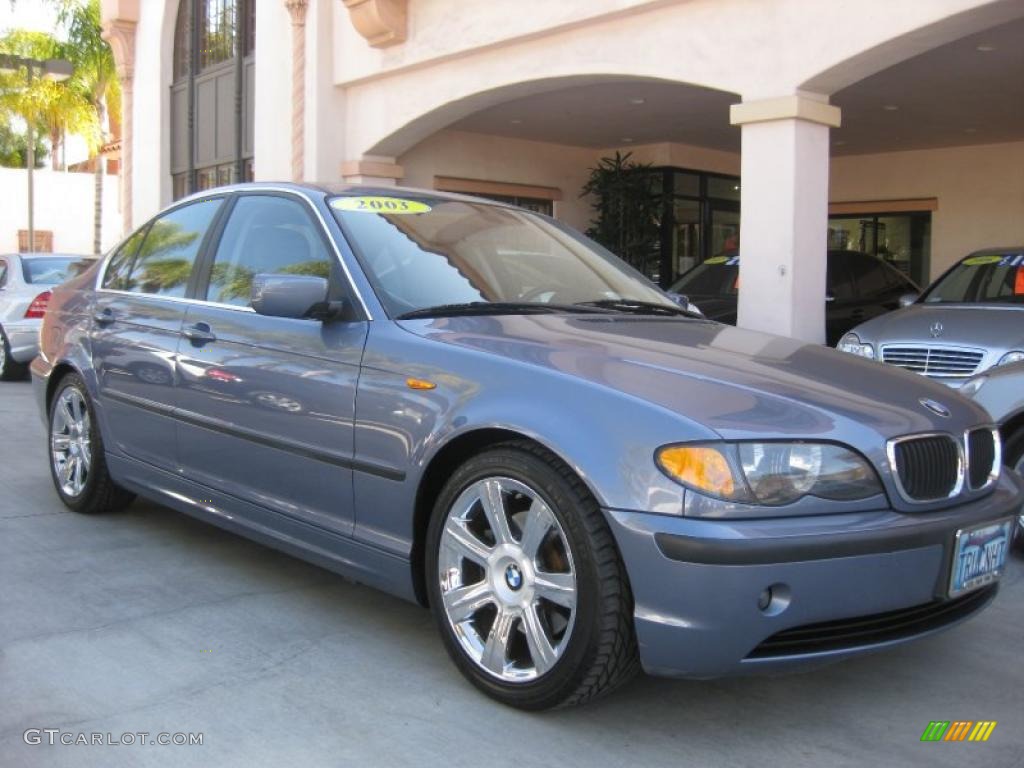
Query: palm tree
point(52, 107)
point(95, 79)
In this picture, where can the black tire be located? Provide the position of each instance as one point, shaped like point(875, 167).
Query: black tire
point(601, 652)
point(10, 370)
point(99, 493)
point(1012, 454)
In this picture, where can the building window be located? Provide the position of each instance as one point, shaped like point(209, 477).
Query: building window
point(902, 239)
point(211, 104)
point(700, 218)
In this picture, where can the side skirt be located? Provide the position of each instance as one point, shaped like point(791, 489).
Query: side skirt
point(356, 561)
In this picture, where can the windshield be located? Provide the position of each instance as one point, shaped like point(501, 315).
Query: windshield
point(718, 276)
point(421, 253)
point(51, 270)
point(987, 278)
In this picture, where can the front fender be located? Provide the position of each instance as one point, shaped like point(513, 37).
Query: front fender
point(607, 437)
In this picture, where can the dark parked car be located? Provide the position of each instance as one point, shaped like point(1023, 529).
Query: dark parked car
point(472, 406)
point(859, 287)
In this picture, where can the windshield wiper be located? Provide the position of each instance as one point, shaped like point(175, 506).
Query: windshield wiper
point(637, 307)
point(495, 308)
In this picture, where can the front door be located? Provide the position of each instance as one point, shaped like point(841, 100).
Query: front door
point(267, 404)
point(137, 318)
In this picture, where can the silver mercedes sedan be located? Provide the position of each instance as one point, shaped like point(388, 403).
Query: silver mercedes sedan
point(969, 320)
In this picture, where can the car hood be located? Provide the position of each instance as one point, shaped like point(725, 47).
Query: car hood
point(738, 383)
point(990, 326)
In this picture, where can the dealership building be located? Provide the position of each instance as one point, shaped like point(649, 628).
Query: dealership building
point(790, 126)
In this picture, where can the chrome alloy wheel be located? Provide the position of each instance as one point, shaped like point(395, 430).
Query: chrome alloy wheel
point(508, 584)
point(71, 442)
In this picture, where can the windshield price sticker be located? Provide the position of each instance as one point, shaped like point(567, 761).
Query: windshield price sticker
point(374, 204)
point(991, 258)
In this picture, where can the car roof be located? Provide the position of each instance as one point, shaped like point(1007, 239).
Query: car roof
point(1012, 250)
point(330, 189)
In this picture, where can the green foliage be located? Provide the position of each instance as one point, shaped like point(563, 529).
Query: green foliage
point(14, 144)
point(627, 208)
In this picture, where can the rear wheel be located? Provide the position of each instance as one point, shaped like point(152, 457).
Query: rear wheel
point(10, 369)
point(78, 464)
point(526, 583)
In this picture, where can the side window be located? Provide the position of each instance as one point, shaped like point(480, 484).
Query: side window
point(838, 284)
point(3, 273)
point(120, 264)
point(265, 235)
point(163, 264)
point(868, 274)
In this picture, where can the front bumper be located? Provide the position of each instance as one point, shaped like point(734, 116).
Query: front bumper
point(23, 337)
point(697, 584)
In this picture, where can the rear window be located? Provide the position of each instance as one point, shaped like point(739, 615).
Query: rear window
point(718, 276)
point(51, 270)
point(997, 277)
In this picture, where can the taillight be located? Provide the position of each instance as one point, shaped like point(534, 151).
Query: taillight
point(38, 306)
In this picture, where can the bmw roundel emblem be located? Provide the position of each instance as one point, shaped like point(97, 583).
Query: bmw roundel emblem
point(513, 577)
point(937, 408)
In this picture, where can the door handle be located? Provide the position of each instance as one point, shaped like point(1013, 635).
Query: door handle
point(199, 334)
point(104, 316)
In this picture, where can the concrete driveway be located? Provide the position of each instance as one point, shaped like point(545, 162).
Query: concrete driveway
point(149, 621)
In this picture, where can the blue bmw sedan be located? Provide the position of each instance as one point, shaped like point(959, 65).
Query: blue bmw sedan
point(474, 407)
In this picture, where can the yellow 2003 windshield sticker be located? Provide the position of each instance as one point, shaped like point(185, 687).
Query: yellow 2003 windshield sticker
point(373, 204)
point(977, 261)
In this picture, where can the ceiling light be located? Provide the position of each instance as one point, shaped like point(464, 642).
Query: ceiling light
point(985, 48)
point(970, 130)
point(638, 100)
point(516, 121)
point(890, 107)
point(626, 140)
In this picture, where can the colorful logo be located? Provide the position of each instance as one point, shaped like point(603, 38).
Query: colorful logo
point(958, 730)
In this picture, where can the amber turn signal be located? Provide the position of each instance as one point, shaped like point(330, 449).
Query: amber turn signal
point(700, 467)
point(420, 384)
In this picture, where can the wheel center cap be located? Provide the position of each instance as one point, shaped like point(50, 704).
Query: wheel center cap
point(513, 577)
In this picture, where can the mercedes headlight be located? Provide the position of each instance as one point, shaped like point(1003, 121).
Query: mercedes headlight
point(770, 473)
point(851, 343)
point(1015, 356)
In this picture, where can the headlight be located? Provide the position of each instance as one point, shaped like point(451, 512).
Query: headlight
point(971, 386)
point(851, 343)
point(771, 474)
point(1011, 357)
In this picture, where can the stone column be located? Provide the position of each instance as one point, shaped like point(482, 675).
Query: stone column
point(784, 213)
point(120, 34)
point(297, 9)
point(372, 169)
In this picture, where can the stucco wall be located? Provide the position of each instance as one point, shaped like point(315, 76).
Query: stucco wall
point(980, 191)
point(494, 158)
point(63, 205)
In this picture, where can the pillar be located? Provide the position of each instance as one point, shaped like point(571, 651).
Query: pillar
point(784, 213)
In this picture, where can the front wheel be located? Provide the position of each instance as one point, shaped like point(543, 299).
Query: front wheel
point(78, 465)
point(526, 583)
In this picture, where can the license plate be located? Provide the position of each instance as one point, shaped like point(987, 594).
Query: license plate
point(979, 556)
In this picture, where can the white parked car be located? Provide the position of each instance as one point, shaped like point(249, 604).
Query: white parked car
point(25, 283)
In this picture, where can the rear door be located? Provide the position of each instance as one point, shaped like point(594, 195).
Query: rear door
point(138, 312)
point(267, 404)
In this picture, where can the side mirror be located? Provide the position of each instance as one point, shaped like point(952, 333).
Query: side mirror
point(908, 298)
point(681, 299)
point(295, 296)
